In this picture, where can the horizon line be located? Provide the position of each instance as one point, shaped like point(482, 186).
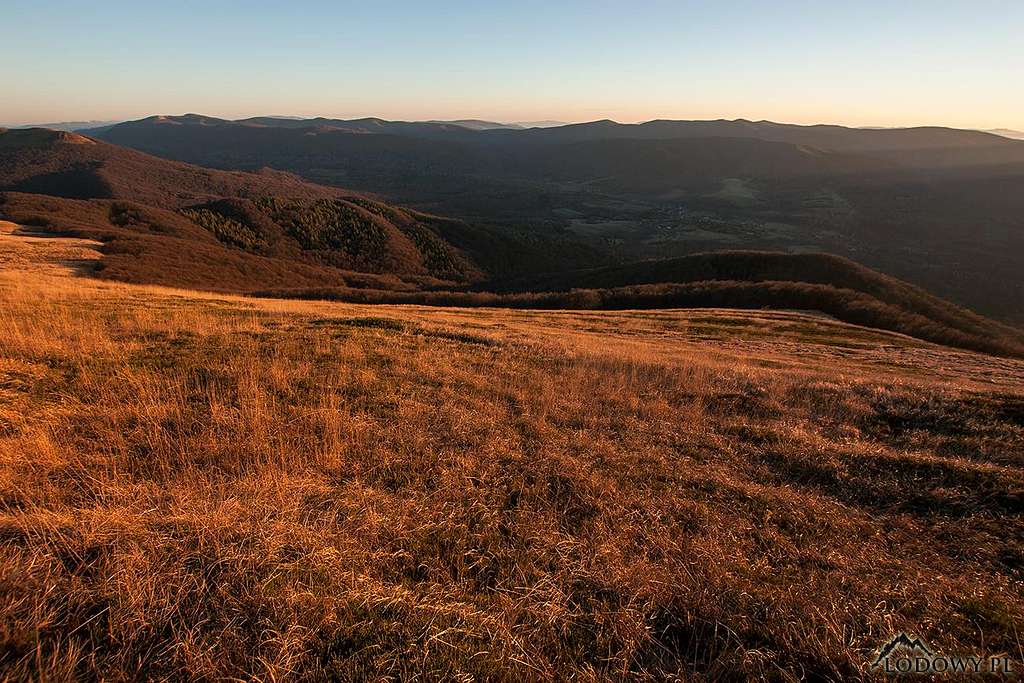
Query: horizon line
point(554, 122)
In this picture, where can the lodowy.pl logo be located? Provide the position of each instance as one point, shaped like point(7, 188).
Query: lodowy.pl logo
point(904, 654)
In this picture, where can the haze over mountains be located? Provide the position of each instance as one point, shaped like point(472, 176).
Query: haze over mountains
point(69, 126)
point(959, 147)
point(1008, 133)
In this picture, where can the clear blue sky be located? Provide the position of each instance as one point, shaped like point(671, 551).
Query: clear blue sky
point(892, 62)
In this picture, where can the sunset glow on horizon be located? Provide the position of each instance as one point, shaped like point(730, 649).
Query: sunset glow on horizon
point(874, 64)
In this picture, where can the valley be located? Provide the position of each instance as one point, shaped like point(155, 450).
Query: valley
point(904, 201)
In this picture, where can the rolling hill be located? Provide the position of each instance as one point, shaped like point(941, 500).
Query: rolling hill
point(174, 223)
point(147, 208)
point(824, 283)
point(939, 207)
point(928, 147)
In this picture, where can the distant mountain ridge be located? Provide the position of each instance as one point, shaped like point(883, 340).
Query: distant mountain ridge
point(913, 145)
point(367, 125)
point(382, 155)
point(70, 126)
point(1007, 133)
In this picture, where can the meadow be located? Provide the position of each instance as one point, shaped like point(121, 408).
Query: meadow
point(197, 486)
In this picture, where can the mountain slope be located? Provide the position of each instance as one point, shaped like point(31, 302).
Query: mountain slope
point(204, 487)
point(654, 166)
point(124, 194)
point(172, 223)
point(828, 284)
point(240, 216)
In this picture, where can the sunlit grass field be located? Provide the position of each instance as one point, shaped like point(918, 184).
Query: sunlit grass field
point(205, 487)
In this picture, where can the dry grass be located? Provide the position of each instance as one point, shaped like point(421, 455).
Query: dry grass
point(205, 487)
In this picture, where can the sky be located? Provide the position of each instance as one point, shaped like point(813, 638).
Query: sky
point(864, 63)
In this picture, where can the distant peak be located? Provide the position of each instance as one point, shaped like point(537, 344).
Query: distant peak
point(73, 138)
point(43, 136)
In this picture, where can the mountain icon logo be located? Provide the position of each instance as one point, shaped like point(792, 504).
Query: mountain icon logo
point(901, 640)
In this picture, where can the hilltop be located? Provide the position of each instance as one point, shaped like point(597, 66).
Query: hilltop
point(74, 166)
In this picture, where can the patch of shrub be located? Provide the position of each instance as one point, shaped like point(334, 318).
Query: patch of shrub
point(125, 215)
point(328, 224)
point(227, 230)
point(846, 305)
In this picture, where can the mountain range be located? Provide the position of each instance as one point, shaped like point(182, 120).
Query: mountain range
point(69, 126)
point(173, 223)
point(940, 207)
point(908, 147)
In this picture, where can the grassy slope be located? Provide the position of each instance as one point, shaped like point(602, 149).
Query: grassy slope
point(199, 486)
point(901, 298)
point(730, 279)
point(66, 182)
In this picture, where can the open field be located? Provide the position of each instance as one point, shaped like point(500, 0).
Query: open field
point(199, 486)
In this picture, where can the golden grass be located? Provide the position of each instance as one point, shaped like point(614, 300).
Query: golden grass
point(205, 487)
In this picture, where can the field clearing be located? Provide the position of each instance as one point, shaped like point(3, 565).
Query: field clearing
point(203, 486)
point(22, 250)
point(737, 191)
